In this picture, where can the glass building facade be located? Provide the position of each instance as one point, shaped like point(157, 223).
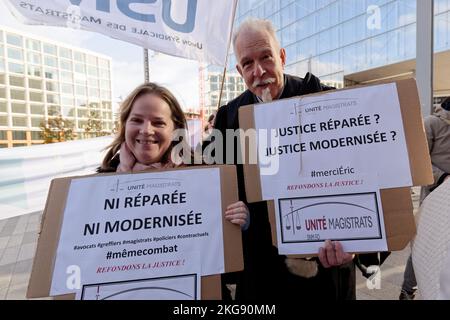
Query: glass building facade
point(234, 85)
point(335, 38)
point(41, 79)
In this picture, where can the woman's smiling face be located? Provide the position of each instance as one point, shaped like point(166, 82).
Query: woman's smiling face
point(149, 128)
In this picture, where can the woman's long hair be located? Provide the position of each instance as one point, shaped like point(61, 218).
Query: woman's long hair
point(178, 118)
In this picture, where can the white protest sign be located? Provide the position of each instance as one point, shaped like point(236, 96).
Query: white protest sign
point(193, 29)
point(337, 135)
point(319, 210)
point(181, 283)
point(123, 227)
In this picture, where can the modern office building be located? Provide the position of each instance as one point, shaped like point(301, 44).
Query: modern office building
point(234, 85)
point(41, 79)
point(348, 42)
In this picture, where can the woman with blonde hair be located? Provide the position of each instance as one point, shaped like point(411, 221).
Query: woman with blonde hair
point(148, 118)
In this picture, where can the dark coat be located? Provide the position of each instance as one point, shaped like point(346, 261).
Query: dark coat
point(265, 275)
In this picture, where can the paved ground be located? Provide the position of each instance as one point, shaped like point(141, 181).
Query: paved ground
point(18, 239)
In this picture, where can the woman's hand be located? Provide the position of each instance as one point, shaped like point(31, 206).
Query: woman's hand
point(237, 213)
point(333, 255)
point(127, 159)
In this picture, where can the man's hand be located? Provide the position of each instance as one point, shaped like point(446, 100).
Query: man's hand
point(332, 255)
point(237, 213)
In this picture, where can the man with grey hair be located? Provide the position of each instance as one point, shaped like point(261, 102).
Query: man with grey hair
point(260, 61)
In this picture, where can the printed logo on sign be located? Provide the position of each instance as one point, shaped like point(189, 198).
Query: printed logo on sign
point(127, 7)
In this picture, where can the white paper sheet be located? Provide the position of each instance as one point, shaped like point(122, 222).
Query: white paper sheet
point(340, 134)
point(116, 221)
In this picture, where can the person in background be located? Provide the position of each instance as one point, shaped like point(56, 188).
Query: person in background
point(437, 128)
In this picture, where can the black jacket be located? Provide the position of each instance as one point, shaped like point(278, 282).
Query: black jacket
point(265, 275)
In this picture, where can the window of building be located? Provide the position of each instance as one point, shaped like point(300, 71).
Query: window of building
point(35, 84)
point(93, 93)
point(3, 135)
point(3, 106)
point(50, 61)
point(66, 76)
point(65, 53)
point(50, 49)
point(16, 54)
point(17, 81)
point(19, 121)
point(33, 45)
point(80, 68)
point(94, 105)
point(36, 123)
point(91, 60)
point(52, 98)
point(82, 113)
point(93, 83)
point(34, 58)
point(68, 111)
point(51, 86)
point(16, 68)
point(18, 107)
point(51, 73)
point(20, 145)
point(103, 63)
point(104, 73)
point(2, 65)
point(2, 79)
point(80, 90)
point(78, 56)
point(36, 135)
point(81, 102)
point(3, 92)
point(53, 110)
point(19, 135)
point(1, 50)
point(66, 88)
point(104, 84)
point(66, 64)
point(105, 95)
point(4, 121)
point(92, 71)
point(17, 94)
point(106, 105)
point(82, 124)
point(36, 96)
point(37, 109)
point(14, 39)
point(34, 71)
point(3, 145)
point(67, 101)
point(80, 78)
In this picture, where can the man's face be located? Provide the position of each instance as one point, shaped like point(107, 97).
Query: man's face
point(260, 62)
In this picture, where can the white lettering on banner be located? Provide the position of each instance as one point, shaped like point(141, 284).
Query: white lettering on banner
point(194, 29)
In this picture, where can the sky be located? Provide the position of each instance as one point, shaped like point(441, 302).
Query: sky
point(179, 75)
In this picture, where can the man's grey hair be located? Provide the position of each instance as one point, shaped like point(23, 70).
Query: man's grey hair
point(253, 24)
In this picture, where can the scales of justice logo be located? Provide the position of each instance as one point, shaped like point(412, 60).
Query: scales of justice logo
point(293, 215)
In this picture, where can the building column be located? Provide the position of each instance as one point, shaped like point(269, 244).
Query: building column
point(425, 51)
